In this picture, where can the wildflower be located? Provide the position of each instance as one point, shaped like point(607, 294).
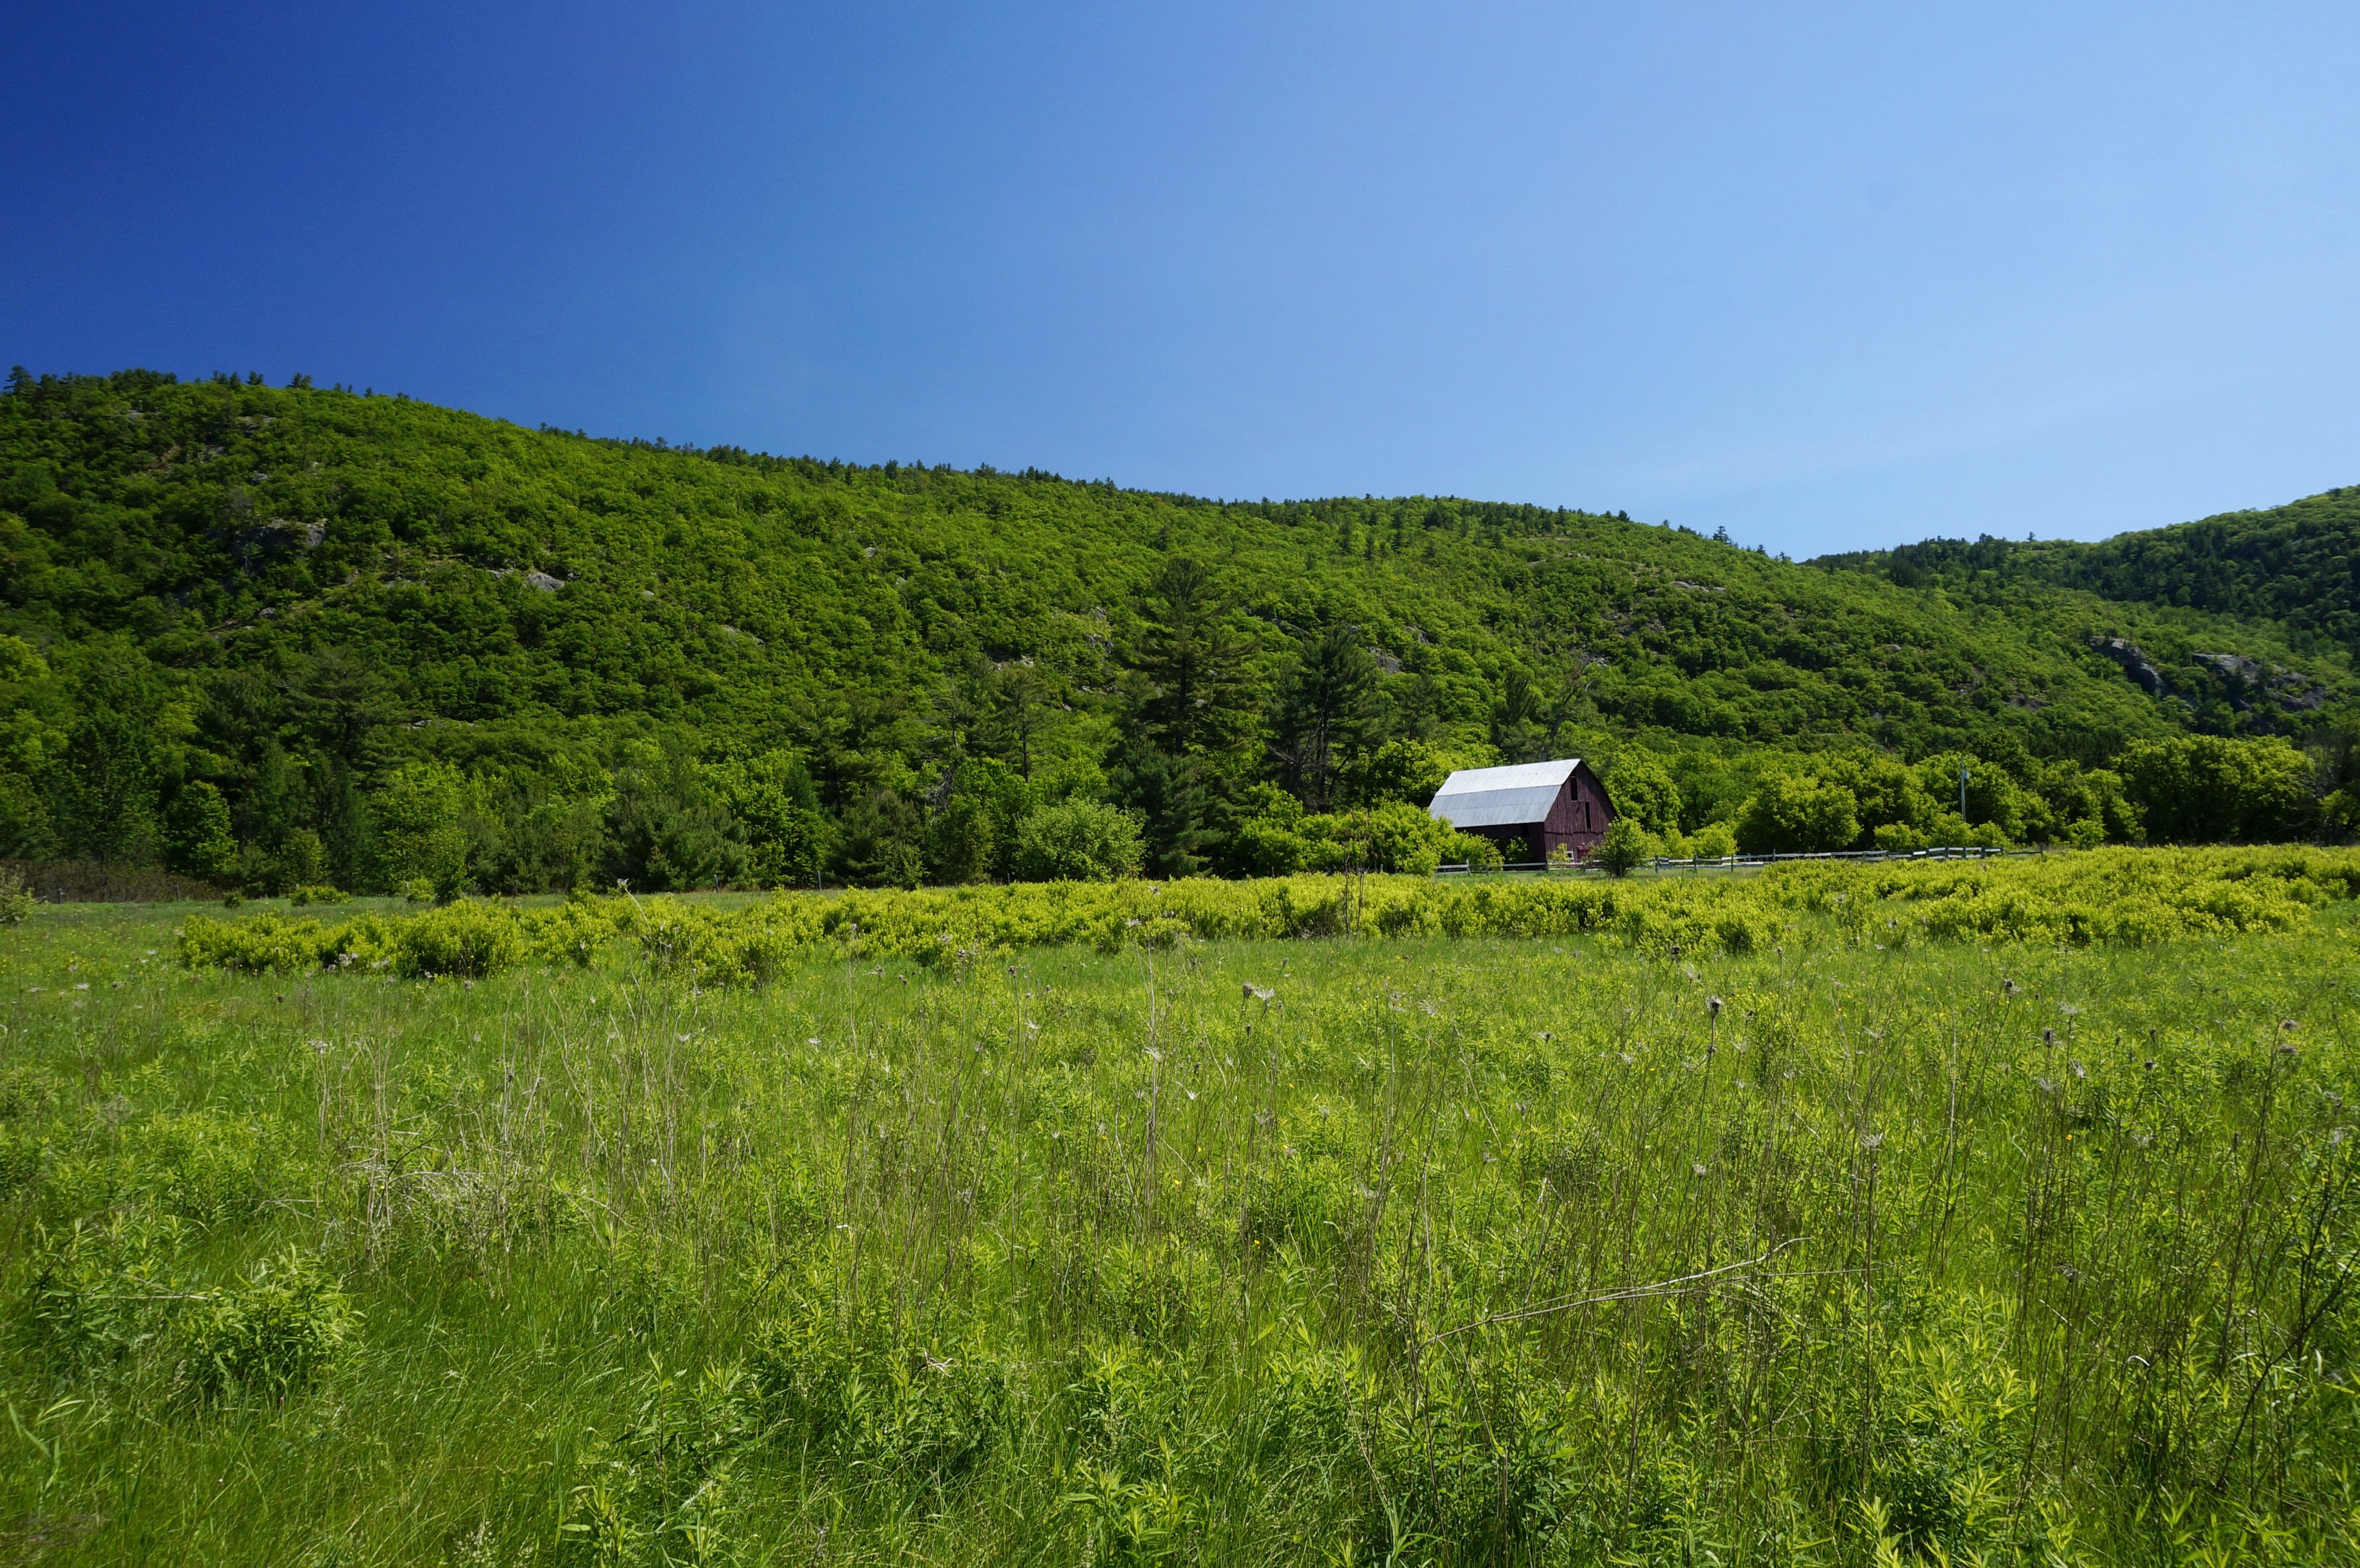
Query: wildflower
point(2007, 988)
point(2288, 1025)
point(2078, 1070)
point(2049, 1036)
point(1874, 1140)
point(1697, 1168)
point(1712, 1006)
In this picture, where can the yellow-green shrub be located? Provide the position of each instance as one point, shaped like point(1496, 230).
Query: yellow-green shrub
point(2115, 895)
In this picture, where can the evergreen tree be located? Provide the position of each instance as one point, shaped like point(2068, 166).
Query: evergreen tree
point(1169, 796)
point(1189, 690)
point(1327, 713)
point(883, 843)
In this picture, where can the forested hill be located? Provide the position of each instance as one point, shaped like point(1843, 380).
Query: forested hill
point(291, 596)
point(2297, 564)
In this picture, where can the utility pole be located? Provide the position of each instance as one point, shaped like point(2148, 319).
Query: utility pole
point(1962, 792)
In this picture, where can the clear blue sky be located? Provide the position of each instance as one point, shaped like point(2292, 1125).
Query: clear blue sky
point(1826, 275)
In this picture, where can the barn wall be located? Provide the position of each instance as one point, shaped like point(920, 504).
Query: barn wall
point(1578, 818)
point(1576, 821)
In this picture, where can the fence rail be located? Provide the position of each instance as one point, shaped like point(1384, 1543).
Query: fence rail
point(87, 882)
point(1740, 862)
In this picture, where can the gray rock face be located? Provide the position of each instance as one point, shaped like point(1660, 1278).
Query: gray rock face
point(2135, 662)
point(543, 580)
point(2234, 664)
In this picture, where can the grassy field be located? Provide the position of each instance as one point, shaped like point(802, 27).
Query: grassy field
point(1847, 1242)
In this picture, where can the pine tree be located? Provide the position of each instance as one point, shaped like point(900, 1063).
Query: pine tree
point(1188, 691)
point(1327, 713)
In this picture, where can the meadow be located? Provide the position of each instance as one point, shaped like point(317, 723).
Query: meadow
point(1995, 1213)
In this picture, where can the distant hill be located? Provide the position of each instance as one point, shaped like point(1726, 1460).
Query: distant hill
point(2296, 565)
point(291, 594)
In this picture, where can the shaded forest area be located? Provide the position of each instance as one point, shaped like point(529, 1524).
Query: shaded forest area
point(294, 637)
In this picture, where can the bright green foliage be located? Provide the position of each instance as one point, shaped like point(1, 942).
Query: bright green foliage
point(197, 841)
point(270, 1335)
point(1078, 841)
point(1939, 1239)
point(2290, 564)
point(1278, 838)
point(1794, 813)
point(676, 668)
point(1643, 790)
point(1624, 847)
point(417, 835)
point(2202, 789)
point(2133, 897)
point(16, 899)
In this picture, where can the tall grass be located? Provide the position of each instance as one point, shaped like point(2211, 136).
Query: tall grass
point(1836, 1248)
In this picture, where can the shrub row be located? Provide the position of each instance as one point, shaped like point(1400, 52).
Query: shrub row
point(2135, 897)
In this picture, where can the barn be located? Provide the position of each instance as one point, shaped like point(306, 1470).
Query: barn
point(1533, 809)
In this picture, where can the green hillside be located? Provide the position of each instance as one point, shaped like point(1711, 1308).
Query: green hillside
point(274, 636)
point(2297, 564)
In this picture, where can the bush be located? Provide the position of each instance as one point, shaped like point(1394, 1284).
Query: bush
point(313, 894)
point(258, 945)
point(1394, 836)
point(15, 899)
point(272, 1334)
point(2113, 895)
point(1624, 848)
point(1714, 841)
point(1078, 841)
point(468, 939)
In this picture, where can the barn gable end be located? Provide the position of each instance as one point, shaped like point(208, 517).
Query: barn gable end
point(1550, 806)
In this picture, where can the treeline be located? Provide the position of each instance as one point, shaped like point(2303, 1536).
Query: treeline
point(283, 638)
point(2181, 789)
point(1205, 772)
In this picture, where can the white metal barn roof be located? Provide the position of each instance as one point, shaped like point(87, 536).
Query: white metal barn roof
point(1500, 797)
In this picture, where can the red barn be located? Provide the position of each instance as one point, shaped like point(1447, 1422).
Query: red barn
point(1548, 806)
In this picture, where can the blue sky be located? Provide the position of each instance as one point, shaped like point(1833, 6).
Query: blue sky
point(1828, 275)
